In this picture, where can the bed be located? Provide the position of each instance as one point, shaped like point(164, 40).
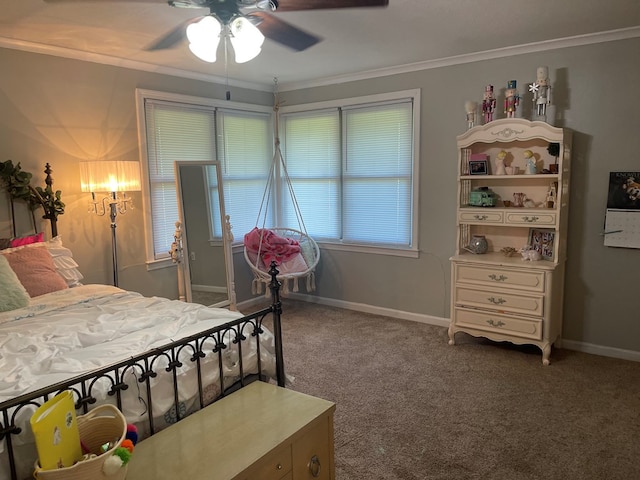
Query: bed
point(157, 360)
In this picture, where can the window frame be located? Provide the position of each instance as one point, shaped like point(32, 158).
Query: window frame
point(413, 250)
point(141, 95)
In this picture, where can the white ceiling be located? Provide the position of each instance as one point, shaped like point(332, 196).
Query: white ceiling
point(409, 34)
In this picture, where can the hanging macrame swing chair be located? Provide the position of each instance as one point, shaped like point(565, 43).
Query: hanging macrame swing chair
point(296, 254)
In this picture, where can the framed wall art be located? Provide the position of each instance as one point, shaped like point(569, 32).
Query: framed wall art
point(542, 241)
point(478, 167)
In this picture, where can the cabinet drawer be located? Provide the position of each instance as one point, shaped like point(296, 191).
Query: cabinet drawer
point(498, 323)
point(531, 218)
point(488, 275)
point(503, 301)
point(480, 216)
point(312, 459)
point(273, 466)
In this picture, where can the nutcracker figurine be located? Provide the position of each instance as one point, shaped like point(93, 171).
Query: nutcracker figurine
point(471, 108)
point(541, 90)
point(488, 104)
point(511, 100)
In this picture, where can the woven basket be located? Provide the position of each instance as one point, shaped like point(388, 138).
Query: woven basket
point(101, 425)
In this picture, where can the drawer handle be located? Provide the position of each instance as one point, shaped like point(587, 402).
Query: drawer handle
point(279, 466)
point(493, 323)
point(530, 219)
point(497, 278)
point(314, 466)
point(480, 217)
point(496, 301)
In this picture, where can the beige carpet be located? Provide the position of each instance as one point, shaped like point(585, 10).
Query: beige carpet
point(411, 407)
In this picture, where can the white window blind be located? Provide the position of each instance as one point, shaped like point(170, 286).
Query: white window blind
point(377, 174)
point(352, 172)
point(243, 145)
point(311, 150)
point(174, 132)
point(246, 153)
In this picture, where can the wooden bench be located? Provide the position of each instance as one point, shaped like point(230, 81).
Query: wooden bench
point(260, 432)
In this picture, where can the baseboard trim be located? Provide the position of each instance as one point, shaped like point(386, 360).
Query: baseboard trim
point(363, 307)
point(584, 347)
point(208, 288)
point(601, 350)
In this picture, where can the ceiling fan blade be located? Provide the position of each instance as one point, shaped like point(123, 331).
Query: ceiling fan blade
point(294, 5)
point(174, 36)
point(107, 1)
point(284, 33)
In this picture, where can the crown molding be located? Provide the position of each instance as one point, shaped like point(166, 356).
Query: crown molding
point(567, 42)
point(575, 41)
point(72, 54)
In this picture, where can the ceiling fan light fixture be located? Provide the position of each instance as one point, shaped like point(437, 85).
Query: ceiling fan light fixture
point(204, 37)
point(246, 39)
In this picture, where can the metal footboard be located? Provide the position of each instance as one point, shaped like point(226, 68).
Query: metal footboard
point(218, 348)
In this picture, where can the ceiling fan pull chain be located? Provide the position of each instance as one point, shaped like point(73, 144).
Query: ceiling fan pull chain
point(226, 66)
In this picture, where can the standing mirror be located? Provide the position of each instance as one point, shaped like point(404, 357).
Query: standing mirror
point(206, 235)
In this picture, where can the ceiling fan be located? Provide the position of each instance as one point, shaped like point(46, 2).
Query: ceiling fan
point(239, 17)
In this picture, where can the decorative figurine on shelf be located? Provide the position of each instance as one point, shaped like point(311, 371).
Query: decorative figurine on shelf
point(541, 90)
point(518, 199)
point(554, 151)
point(552, 195)
point(500, 170)
point(511, 100)
point(528, 253)
point(488, 104)
point(471, 108)
point(531, 163)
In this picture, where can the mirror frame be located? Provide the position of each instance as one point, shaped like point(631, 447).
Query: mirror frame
point(227, 236)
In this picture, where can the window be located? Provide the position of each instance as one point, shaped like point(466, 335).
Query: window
point(352, 165)
point(177, 127)
point(246, 155)
point(353, 169)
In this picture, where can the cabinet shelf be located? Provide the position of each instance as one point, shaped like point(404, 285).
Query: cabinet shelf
point(507, 209)
point(499, 259)
point(548, 176)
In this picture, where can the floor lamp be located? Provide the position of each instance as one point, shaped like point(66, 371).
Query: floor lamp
point(114, 179)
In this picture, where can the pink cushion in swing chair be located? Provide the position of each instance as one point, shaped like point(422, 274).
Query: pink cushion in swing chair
point(286, 252)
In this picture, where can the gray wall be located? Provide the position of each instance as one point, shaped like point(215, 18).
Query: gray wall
point(64, 111)
point(596, 94)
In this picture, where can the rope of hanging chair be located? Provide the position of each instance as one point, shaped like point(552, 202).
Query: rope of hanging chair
point(278, 159)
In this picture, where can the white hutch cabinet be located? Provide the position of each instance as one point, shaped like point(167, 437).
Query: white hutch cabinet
point(500, 297)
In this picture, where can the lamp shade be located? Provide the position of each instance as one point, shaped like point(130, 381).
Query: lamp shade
point(204, 37)
point(246, 39)
point(110, 176)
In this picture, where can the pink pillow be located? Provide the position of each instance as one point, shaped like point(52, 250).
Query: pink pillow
point(20, 241)
point(35, 269)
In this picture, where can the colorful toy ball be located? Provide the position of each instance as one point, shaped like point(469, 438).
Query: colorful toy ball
point(132, 433)
point(128, 444)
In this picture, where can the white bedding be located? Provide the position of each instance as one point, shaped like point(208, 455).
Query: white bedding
point(65, 333)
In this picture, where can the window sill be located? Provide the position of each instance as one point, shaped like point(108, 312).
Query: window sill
point(373, 250)
point(159, 264)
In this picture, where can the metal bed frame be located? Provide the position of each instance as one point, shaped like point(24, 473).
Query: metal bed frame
point(146, 366)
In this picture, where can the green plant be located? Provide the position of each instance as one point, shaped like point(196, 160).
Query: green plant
point(51, 201)
point(17, 182)
point(554, 150)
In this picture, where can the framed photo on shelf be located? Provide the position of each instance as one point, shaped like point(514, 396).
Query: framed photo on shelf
point(541, 240)
point(478, 167)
